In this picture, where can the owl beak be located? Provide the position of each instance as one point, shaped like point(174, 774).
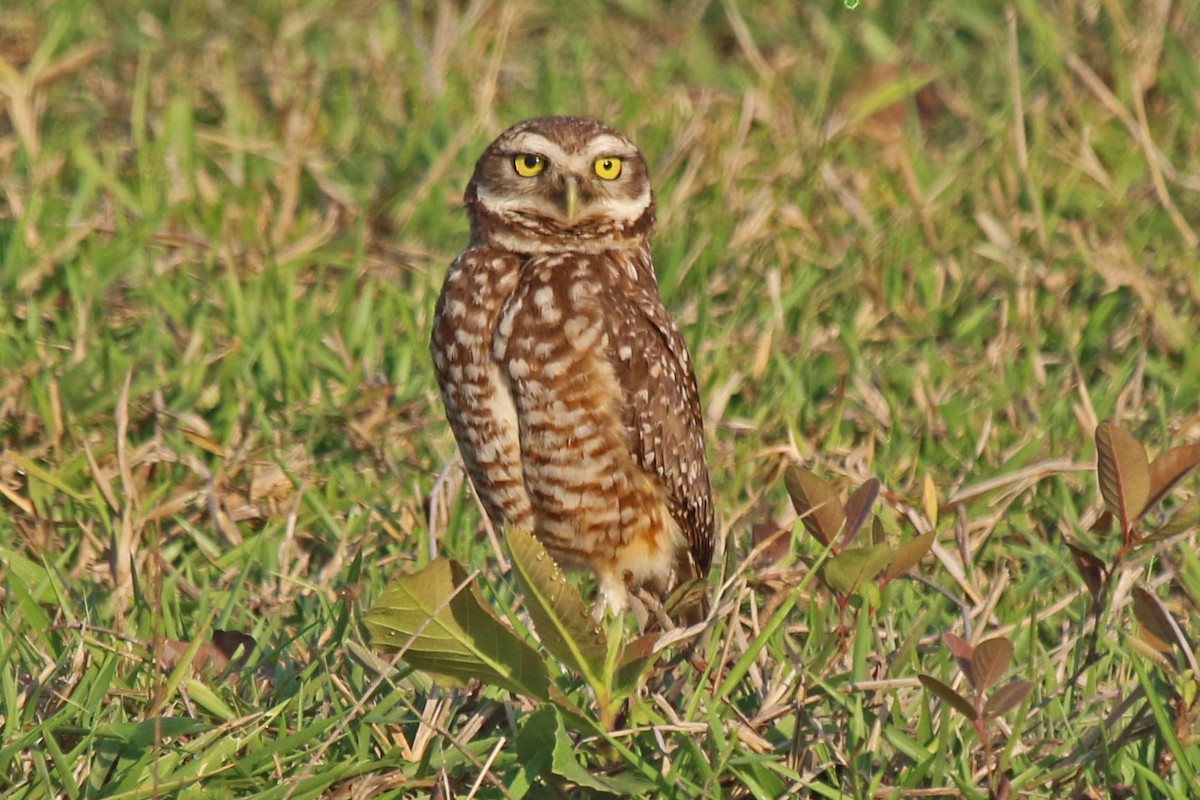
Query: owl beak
point(571, 197)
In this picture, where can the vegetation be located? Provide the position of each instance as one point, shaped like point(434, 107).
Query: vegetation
point(937, 262)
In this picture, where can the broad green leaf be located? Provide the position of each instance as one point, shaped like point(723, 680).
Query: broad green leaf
point(563, 623)
point(440, 622)
point(908, 554)
point(1170, 468)
point(816, 502)
point(543, 734)
point(948, 695)
point(535, 741)
point(1006, 698)
point(990, 660)
point(1124, 473)
point(845, 572)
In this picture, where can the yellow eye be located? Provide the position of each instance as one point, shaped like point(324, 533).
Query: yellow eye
point(527, 165)
point(608, 168)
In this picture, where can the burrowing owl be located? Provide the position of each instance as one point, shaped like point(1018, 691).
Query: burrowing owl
point(567, 385)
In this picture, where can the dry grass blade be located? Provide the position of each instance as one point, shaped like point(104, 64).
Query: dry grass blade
point(929, 501)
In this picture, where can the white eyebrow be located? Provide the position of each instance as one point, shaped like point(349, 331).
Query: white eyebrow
point(603, 145)
point(607, 144)
point(536, 143)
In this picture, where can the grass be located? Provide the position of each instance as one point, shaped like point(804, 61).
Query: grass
point(934, 243)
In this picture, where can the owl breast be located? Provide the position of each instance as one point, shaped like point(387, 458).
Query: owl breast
point(593, 504)
point(575, 408)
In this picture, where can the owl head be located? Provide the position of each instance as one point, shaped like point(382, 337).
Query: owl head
point(556, 184)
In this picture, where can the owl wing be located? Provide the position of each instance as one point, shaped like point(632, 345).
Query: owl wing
point(662, 418)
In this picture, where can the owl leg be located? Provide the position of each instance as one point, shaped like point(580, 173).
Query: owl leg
point(612, 596)
point(651, 604)
point(616, 597)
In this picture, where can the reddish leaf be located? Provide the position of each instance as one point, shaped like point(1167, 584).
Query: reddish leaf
point(1157, 627)
point(962, 651)
point(1091, 569)
point(208, 658)
point(636, 657)
point(1006, 698)
point(1124, 473)
point(1185, 520)
point(1169, 469)
point(776, 542)
point(816, 502)
point(960, 704)
point(991, 659)
point(858, 508)
point(909, 554)
point(878, 534)
point(641, 647)
point(235, 646)
point(1103, 523)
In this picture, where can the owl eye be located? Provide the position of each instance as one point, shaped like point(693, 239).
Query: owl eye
point(527, 165)
point(608, 168)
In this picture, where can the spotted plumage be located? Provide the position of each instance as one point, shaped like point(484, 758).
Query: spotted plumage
point(567, 386)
